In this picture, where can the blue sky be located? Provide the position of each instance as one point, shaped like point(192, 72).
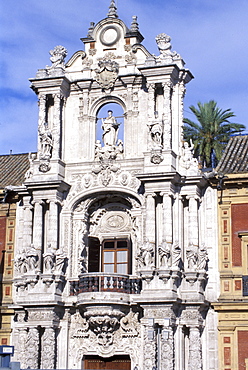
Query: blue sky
point(210, 35)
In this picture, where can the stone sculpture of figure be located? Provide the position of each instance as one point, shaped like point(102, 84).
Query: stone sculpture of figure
point(110, 130)
point(30, 171)
point(192, 255)
point(49, 259)
point(164, 254)
point(145, 256)
point(60, 258)
point(58, 55)
point(156, 134)
point(202, 257)
point(31, 258)
point(20, 262)
point(176, 254)
point(46, 140)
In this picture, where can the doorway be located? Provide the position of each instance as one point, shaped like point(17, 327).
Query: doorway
point(113, 363)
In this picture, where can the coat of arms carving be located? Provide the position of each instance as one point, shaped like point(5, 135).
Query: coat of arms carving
point(107, 73)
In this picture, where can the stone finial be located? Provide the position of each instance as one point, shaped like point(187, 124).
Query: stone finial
point(91, 28)
point(134, 25)
point(112, 10)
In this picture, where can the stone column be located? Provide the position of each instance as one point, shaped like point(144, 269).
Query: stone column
point(150, 348)
point(48, 349)
point(32, 349)
point(22, 346)
point(56, 126)
point(181, 92)
point(167, 349)
point(193, 220)
point(42, 116)
point(151, 101)
point(28, 220)
point(53, 224)
point(167, 114)
point(38, 229)
point(167, 217)
point(150, 217)
point(195, 349)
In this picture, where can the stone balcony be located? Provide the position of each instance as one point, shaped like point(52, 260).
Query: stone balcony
point(105, 282)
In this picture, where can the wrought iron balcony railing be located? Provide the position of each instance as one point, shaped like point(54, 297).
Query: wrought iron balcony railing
point(102, 282)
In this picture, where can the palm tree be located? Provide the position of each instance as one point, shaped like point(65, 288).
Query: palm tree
point(212, 131)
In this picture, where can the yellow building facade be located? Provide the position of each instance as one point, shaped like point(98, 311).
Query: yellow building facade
point(232, 306)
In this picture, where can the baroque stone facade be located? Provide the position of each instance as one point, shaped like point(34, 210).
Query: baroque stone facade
point(116, 247)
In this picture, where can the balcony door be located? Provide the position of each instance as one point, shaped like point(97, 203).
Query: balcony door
point(113, 256)
point(112, 363)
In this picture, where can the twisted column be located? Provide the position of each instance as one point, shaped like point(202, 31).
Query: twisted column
point(48, 349)
point(32, 349)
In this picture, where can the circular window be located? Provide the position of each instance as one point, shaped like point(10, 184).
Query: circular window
point(110, 35)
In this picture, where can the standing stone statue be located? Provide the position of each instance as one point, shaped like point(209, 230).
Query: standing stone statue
point(202, 257)
point(31, 258)
point(49, 259)
point(164, 254)
point(46, 140)
point(146, 256)
point(110, 129)
point(192, 255)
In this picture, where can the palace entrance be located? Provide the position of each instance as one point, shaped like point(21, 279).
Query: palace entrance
point(112, 363)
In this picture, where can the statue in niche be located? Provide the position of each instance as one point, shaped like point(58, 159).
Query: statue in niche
point(110, 129)
point(49, 259)
point(164, 254)
point(145, 256)
point(46, 141)
point(202, 257)
point(58, 55)
point(31, 258)
point(156, 134)
point(192, 255)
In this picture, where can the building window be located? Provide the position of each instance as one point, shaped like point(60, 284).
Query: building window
point(113, 256)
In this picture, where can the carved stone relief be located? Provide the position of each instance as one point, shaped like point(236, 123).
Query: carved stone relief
point(107, 73)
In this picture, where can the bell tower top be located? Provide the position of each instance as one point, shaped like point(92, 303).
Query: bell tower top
point(112, 10)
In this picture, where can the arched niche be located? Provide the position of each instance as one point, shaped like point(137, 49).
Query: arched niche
point(99, 110)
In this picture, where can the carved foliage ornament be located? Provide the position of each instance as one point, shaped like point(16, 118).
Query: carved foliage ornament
point(107, 73)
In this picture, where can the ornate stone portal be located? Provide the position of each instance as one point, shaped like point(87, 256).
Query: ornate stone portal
point(115, 252)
